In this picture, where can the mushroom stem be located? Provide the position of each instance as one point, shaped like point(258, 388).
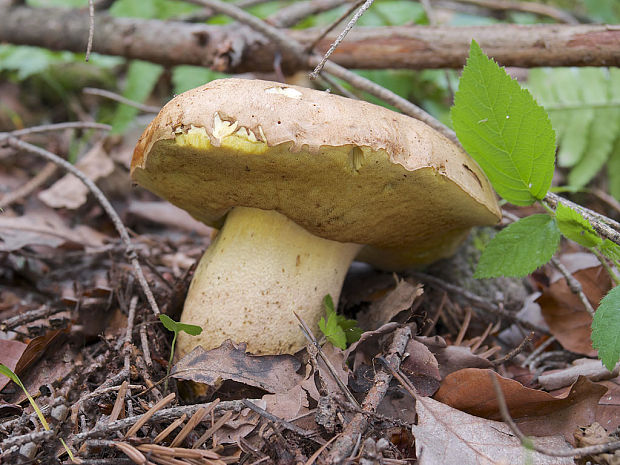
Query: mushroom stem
point(260, 269)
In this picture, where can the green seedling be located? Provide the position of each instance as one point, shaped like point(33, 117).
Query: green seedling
point(176, 327)
point(6, 371)
point(338, 329)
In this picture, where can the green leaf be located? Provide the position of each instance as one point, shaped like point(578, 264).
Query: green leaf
point(332, 331)
point(575, 227)
point(606, 329)
point(610, 249)
point(141, 79)
point(192, 330)
point(187, 77)
point(177, 326)
point(151, 9)
point(584, 111)
point(520, 248)
point(328, 304)
point(613, 170)
point(350, 328)
point(503, 128)
point(6, 371)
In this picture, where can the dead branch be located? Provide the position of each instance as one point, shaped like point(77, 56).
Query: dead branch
point(237, 48)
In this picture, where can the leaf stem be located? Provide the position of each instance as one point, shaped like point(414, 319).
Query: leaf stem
point(174, 340)
point(546, 206)
point(608, 268)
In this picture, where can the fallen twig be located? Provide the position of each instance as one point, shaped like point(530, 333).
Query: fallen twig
point(478, 301)
point(105, 203)
point(160, 416)
point(286, 424)
point(332, 371)
point(119, 98)
point(516, 351)
point(358, 14)
point(359, 423)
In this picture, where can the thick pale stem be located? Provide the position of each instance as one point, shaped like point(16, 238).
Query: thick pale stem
point(260, 269)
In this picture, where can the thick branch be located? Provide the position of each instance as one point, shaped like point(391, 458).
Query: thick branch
point(237, 48)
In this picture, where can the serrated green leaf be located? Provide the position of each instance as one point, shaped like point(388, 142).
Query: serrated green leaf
point(520, 248)
point(503, 128)
point(610, 249)
point(141, 79)
point(328, 304)
point(332, 331)
point(575, 227)
point(350, 328)
point(606, 329)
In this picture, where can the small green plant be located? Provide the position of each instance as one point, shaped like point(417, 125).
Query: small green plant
point(338, 329)
point(6, 371)
point(510, 136)
point(176, 327)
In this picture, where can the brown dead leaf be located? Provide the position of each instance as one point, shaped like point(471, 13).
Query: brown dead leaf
point(452, 358)
point(421, 367)
point(564, 313)
point(11, 352)
point(448, 436)
point(69, 192)
point(368, 345)
point(287, 405)
point(595, 435)
point(272, 373)
point(537, 413)
point(9, 410)
point(397, 300)
point(237, 427)
point(608, 410)
point(45, 228)
point(166, 214)
point(37, 347)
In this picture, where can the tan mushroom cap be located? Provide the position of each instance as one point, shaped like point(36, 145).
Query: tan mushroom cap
point(344, 170)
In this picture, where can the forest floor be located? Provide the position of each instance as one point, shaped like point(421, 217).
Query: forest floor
point(417, 387)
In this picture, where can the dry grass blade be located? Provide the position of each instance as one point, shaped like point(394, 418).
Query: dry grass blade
point(119, 403)
point(145, 418)
point(190, 426)
point(169, 429)
point(218, 424)
point(180, 452)
point(131, 452)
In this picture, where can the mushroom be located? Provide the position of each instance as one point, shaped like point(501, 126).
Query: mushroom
point(301, 182)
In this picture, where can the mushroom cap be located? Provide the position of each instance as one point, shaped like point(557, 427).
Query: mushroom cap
point(344, 170)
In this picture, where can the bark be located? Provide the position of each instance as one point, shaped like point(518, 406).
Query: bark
point(236, 48)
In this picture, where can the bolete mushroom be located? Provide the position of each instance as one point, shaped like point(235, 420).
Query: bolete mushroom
point(301, 182)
